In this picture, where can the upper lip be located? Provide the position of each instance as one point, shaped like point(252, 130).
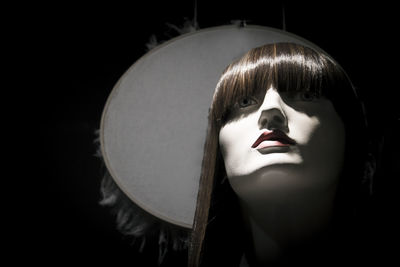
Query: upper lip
point(275, 135)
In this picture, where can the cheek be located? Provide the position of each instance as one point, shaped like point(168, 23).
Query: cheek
point(224, 140)
point(235, 140)
point(230, 139)
point(303, 127)
point(228, 147)
point(235, 136)
point(319, 121)
point(328, 141)
point(321, 140)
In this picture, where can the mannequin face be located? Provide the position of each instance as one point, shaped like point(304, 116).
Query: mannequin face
point(282, 141)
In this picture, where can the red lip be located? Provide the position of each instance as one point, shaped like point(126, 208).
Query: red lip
point(275, 135)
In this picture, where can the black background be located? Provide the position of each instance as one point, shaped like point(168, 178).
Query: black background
point(68, 56)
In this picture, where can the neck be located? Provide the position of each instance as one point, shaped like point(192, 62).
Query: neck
point(279, 225)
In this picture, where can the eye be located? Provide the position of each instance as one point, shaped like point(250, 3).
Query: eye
point(246, 101)
point(298, 96)
point(307, 96)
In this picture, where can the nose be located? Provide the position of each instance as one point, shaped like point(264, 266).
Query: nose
point(272, 116)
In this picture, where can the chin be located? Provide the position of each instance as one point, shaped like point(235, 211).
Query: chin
point(277, 168)
point(271, 161)
point(255, 163)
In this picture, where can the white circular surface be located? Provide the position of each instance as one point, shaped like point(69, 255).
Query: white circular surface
point(154, 122)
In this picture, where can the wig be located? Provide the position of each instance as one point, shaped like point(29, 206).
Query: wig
point(291, 68)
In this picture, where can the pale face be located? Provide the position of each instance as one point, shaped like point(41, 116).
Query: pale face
point(282, 143)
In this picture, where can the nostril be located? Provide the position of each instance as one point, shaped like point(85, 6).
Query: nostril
point(264, 122)
point(278, 119)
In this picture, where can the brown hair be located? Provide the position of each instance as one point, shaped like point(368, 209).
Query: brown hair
point(285, 66)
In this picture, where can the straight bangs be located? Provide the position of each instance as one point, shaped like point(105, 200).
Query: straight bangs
point(287, 67)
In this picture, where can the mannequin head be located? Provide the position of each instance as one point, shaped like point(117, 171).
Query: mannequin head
point(283, 126)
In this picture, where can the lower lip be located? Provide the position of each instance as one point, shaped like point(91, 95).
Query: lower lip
point(267, 143)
